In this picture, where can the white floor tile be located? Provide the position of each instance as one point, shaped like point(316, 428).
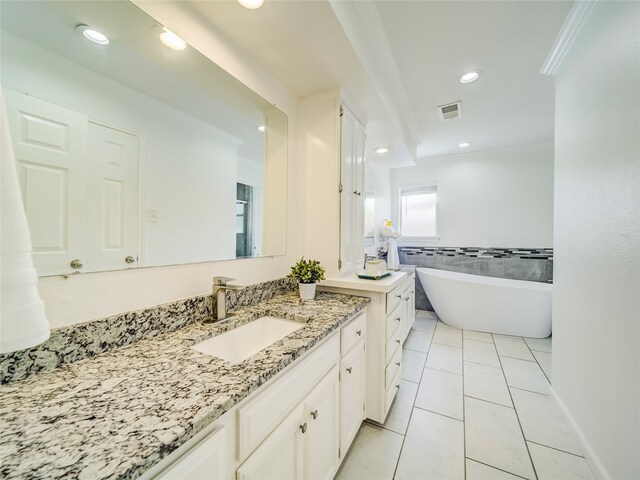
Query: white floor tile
point(542, 422)
point(480, 352)
point(512, 347)
point(493, 437)
point(445, 358)
point(525, 375)
point(412, 365)
point(544, 359)
point(539, 344)
point(418, 341)
point(373, 455)
point(424, 324)
point(398, 418)
point(478, 336)
point(430, 314)
point(479, 471)
point(486, 383)
point(555, 465)
point(442, 438)
point(441, 392)
point(446, 335)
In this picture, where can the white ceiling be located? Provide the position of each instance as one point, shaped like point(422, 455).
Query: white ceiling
point(310, 48)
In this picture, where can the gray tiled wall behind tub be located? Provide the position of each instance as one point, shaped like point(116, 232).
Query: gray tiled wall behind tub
point(532, 264)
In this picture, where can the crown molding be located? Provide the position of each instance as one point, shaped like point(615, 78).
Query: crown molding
point(362, 23)
point(574, 24)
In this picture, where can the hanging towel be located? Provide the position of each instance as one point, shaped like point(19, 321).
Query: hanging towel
point(23, 323)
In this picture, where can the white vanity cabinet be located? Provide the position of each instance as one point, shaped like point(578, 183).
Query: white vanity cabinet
point(297, 426)
point(389, 319)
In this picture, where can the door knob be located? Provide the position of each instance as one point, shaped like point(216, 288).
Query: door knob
point(129, 259)
point(76, 263)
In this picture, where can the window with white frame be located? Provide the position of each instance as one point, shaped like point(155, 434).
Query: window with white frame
point(418, 211)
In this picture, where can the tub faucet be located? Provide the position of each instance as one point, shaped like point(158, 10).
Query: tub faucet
point(220, 287)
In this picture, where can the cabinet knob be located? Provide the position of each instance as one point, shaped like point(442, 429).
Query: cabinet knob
point(76, 264)
point(397, 341)
point(350, 369)
point(303, 427)
point(355, 192)
point(398, 363)
point(399, 296)
point(129, 259)
point(397, 386)
point(398, 318)
point(314, 414)
point(359, 332)
point(407, 299)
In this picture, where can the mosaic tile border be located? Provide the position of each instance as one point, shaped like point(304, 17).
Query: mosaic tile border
point(480, 252)
point(84, 340)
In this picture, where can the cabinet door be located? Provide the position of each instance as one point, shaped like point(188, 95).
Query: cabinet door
point(406, 300)
point(280, 455)
point(321, 440)
point(347, 161)
point(352, 384)
point(357, 227)
point(204, 461)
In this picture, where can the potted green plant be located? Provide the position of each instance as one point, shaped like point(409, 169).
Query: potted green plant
point(308, 273)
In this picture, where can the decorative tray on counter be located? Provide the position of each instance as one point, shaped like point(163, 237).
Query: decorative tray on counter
point(367, 276)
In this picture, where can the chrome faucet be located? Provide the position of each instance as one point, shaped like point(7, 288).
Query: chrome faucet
point(220, 288)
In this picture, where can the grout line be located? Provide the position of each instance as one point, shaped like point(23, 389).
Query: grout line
point(443, 371)
point(530, 391)
point(378, 425)
point(518, 358)
point(540, 366)
point(495, 468)
point(554, 448)
point(479, 363)
point(404, 438)
point(414, 350)
point(438, 413)
point(517, 416)
point(489, 401)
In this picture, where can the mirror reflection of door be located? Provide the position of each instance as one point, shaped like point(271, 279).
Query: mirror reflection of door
point(244, 229)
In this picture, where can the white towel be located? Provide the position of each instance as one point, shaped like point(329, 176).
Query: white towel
point(23, 323)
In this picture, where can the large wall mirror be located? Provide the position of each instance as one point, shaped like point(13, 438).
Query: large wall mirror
point(132, 153)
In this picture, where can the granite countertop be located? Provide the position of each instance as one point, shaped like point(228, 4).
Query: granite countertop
point(118, 414)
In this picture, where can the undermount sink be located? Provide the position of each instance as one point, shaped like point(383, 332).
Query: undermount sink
point(242, 342)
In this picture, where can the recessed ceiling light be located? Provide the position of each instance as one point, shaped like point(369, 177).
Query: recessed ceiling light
point(463, 144)
point(251, 4)
point(261, 128)
point(171, 40)
point(469, 77)
point(381, 149)
point(92, 35)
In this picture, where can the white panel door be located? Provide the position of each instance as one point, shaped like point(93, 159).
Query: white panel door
point(279, 457)
point(357, 228)
point(348, 122)
point(50, 145)
point(321, 442)
point(352, 385)
point(112, 234)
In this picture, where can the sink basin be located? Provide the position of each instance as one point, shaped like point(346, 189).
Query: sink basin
point(241, 343)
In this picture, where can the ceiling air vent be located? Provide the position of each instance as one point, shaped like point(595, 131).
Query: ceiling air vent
point(451, 110)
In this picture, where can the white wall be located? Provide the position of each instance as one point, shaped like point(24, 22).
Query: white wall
point(596, 298)
point(497, 198)
point(93, 295)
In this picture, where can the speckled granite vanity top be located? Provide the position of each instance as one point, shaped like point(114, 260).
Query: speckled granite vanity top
point(117, 414)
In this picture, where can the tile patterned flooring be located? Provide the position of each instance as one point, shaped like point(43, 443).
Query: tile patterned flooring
point(471, 406)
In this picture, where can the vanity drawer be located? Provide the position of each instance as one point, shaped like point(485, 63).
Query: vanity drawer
point(394, 297)
point(393, 322)
point(393, 368)
point(258, 418)
point(391, 392)
point(393, 344)
point(352, 333)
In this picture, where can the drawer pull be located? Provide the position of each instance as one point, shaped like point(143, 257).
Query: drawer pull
point(397, 341)
point(350, 369)
point(399, 296)
point(398, 318)
point(359, 332)
point(314, 414)
point(407, 299)
point(398, 363)
point(303, 427)
point(397, 386)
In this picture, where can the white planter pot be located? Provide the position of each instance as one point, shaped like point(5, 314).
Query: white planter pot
point(307, 291)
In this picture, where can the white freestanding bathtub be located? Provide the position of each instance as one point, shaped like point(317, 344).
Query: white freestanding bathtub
point(487, 304)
